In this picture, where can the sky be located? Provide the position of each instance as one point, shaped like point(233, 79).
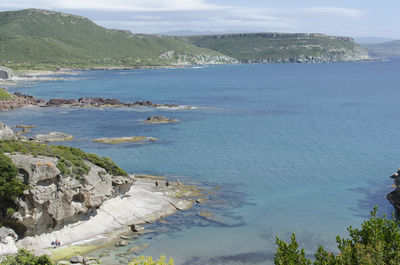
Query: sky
point(355, 18)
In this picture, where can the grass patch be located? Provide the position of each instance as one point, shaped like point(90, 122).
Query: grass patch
point(4, 95)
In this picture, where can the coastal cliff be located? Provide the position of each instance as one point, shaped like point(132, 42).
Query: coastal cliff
point(53, 192)
point(282, 47)
point(60, 186)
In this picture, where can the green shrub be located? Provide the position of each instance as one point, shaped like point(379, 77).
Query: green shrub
point(4, 95)
point(142, 260)
point(10, 212)
point(24, 257)
point(10, 186)
point(71, 161)
point(377, 242)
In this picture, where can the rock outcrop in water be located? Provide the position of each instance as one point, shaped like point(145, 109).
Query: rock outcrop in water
point(52, 137)
point(160, 119)
point(394, 196)
point(54, 200)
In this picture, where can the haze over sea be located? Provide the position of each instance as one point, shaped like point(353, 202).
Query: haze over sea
point(304, 148)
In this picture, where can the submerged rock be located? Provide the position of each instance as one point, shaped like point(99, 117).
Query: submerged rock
point(138, 248)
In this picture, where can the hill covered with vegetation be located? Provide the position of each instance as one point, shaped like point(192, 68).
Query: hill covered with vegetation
point(281, 47)
point(40, 39)
point(384, 50)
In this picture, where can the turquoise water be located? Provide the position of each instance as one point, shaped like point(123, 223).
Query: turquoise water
point(304, 148)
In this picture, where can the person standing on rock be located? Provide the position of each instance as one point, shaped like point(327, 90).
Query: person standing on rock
point(167, 184)
point(156, 184)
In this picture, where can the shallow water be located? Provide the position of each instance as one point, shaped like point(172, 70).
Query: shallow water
point(304, 148)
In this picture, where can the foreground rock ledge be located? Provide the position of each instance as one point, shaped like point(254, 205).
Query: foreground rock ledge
point(141, 204)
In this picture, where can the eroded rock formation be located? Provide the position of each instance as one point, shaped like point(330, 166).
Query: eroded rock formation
point(54, 200)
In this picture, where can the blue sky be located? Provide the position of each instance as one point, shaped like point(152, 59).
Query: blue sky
point(356, 18)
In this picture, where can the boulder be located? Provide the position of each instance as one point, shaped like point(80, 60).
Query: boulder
point(137, 228)
point(7, 241)
point(5, 73)
point(5, 132)
point(76, 259)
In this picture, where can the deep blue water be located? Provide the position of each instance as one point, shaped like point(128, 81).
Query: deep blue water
point(304, 148)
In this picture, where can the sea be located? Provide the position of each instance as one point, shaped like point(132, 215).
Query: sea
point(278, 148)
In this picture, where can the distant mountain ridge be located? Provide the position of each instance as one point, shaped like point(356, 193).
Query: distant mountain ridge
point(41, 39)
point(281, 47)
point(386, 50)
point(34, 38)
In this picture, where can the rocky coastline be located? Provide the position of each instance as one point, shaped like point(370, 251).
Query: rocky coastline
point(20, 100)
point(86, 210)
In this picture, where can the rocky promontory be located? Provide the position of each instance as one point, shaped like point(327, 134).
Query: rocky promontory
point(54, 200)
point(20, 100)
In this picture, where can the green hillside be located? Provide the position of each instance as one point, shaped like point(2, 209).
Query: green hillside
point(384, 50)
point(281, 47)
point(40, 39)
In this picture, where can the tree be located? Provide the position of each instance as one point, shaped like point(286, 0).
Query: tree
point(377, 242)
point(10, 186)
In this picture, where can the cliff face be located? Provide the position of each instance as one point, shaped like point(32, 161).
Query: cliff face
point(53, 200)
point(282, 47)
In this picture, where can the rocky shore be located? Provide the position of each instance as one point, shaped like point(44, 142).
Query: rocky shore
point(20, 100)
point(89, 208)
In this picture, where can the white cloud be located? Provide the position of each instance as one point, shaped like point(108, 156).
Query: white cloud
point(121, 5)
point(338, 11)
point(151, 16)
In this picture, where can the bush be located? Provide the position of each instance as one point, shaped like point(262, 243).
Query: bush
point(377, 242)
point(149, 261)
point(71, 161)
point(10, 186)
point(10, 212)
point(24, 257)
